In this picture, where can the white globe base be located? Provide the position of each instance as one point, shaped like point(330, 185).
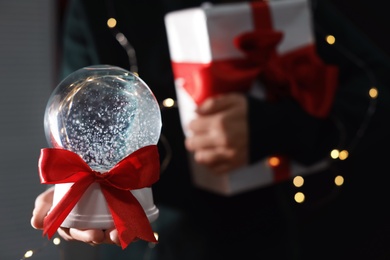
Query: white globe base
point(91, 211)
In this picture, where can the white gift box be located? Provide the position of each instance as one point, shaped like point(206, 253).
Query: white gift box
point(206, 34)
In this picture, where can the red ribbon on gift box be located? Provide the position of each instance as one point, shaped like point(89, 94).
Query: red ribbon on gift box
point(299, 73)
point(138, 170)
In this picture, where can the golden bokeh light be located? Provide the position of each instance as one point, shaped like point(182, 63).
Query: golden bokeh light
point(169, 102)
point(330, 39)
point(56, 241)
point(111, 23)
point(334, 154)
point(298, 181)
point(339, 180)
point(343, 155)
point(373, 92)
point(299, 197)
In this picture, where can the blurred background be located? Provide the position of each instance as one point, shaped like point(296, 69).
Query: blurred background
point(29, 52)
point(27, 74)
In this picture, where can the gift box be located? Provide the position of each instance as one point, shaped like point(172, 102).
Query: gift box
point(225, 47)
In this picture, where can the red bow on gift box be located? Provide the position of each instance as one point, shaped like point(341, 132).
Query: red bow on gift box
point(138, 170)
point(299, 73)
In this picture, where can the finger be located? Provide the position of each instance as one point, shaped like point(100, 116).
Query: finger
point(202, 124)
point(220, 157)
point(213, 138)
point(222, 168)
point(209, 157)
point(214, 156)
point(64, 233)
point(112, 237)
point(199, 142)
point(208, 106)
point(218, 103)
point(92, 236)
point(43, 203)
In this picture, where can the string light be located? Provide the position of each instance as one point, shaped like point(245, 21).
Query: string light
point(28, 254)
point(298, 181)
point(273, 161)
point(56, 241)
point(299, 197)
point(372, 94)
point(33, 252)
point(111, 22)
point(168, 103)
point(339, 180)
point(334, 154)
point(343, 155)
point(122, 40)
point(330, 39)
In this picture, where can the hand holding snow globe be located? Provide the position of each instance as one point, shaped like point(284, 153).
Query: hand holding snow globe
point(103, 124)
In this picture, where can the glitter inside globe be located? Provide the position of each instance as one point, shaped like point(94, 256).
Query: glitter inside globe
point(103, 113)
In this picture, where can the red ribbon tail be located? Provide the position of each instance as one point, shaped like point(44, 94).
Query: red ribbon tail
point(129, 217)
point(58, 214)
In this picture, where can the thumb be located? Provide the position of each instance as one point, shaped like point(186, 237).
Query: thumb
point(43, 204)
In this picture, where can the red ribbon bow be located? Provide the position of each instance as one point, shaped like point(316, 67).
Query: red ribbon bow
point(299, 73)
point(138, 170)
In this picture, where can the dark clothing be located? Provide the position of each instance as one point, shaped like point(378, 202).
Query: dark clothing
point(265, 223)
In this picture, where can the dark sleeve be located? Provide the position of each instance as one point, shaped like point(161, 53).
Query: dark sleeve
point(284, 128)
point(78, 47)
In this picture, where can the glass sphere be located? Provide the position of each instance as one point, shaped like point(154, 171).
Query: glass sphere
point(103, 113)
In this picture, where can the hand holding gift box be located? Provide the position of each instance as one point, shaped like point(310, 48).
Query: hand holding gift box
point(257, 47)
